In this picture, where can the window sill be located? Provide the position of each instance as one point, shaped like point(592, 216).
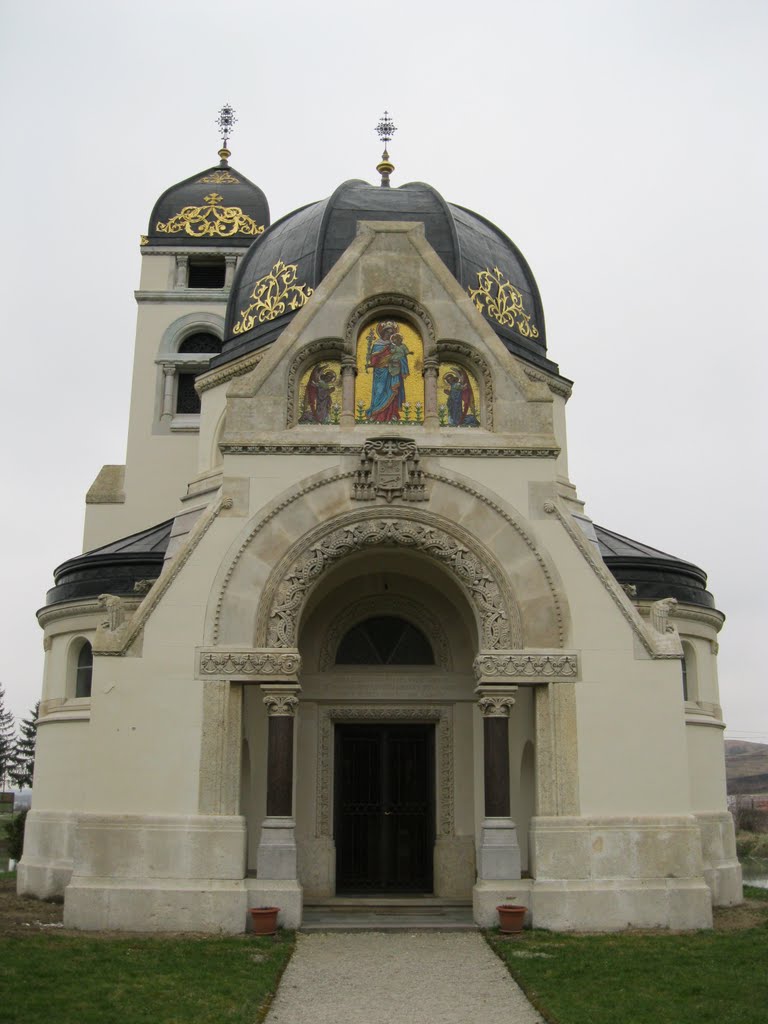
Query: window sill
point(73, 709)
point(186, 423)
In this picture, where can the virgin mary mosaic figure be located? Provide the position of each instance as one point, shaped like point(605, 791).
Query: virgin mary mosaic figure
point(387, 356)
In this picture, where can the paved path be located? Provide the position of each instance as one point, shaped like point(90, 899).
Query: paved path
point(409, 977)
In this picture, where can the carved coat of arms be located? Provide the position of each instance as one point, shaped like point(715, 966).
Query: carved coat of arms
point(389, 468)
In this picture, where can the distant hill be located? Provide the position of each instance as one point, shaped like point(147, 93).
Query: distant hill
point(746, 766)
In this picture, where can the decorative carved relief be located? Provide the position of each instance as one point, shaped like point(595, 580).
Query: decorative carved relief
point(114, 612)
point(382, 303)
point(513, 665)
point(389, 468)
point(384, 604)
point(442, 716)
point(557, 387)
point(357, 534)
point(441, 451)
point(281, 705)
point(496, 707)
point(256, 664)
point(214, 219)
point(659, 615)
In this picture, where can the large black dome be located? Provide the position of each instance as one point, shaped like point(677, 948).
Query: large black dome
point(313, 238)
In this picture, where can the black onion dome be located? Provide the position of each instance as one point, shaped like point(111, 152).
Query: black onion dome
point(218, 206)
point(311, 240)
point(653, 573)
point(114, 568)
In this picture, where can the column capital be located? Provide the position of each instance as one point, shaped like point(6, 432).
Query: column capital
point(348, 364)
point(280, 699)
point(496, 701)
point(431, 366)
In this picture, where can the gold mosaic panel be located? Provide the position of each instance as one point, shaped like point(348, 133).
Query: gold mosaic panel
point(320, 393)
point(458, 397)
point(389, 387)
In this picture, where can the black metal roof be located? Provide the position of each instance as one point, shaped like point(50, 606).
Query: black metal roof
point(113, 568)
point(314, 237)
point(655, 574)
point(194, 191)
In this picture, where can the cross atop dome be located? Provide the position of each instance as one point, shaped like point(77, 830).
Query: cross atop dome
point(226, 122)
point(385, 129)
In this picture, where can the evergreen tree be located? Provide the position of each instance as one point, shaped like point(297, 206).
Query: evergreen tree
point(22, 773)
point(7, 742)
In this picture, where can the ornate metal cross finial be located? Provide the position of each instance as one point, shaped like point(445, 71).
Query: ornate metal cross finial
point(385, 129)
point(226, 122)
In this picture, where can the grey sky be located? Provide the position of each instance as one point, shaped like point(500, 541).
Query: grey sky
point(621, 145)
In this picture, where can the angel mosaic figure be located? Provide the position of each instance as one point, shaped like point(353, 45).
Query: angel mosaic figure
point(387, 356)
point(461, 400)
point(316, 405)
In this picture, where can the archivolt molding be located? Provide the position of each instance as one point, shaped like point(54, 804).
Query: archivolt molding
point(386, 304)
point(180, 329)
point(386, 604)
point(443, 718)
point(627, 610)
point(464, 353)
point(499, 510)
point(294, 579)
point(325, 348)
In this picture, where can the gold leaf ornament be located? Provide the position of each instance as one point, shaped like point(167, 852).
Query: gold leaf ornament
point(272, 296)
point(500, 299)
point(219, 178)
point(212, 220)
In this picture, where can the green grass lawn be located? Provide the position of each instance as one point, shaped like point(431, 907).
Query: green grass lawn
point(712, 977)
point(58, 979)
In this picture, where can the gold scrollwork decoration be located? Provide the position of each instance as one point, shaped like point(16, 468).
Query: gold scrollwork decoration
point(272, 296)
point(213, 219)
point(219, 178)
point(502, 301)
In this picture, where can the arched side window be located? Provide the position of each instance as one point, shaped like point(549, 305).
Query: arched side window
point(690, 676)
point(384, 640)
point(185, 353)
point(84, 670)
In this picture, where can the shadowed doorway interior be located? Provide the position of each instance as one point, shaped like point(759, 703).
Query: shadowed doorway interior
point(384, 808)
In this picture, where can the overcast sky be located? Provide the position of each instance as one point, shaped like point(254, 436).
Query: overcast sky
point(622, 146)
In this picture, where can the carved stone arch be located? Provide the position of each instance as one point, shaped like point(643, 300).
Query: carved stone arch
point(475, 570)
point(391, 304)
point(323, 348)
point(180, 329)
point(468, 356)
point(381, 604)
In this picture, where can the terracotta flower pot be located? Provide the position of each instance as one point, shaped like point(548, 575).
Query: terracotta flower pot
point(511, 918)
point(264, 920)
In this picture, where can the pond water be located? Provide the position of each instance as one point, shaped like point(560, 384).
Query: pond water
point(755, 871)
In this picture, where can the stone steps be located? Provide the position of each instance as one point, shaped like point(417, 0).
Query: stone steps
point(388, 914)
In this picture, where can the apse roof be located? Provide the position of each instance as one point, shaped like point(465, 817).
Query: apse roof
point(309, 241)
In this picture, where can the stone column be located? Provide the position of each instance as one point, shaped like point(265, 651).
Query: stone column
point(430, 373)
point(348, 374)
point(182, 270)
point(499, 853)
point(169, 373)
point(276, 882)
point(230, 265)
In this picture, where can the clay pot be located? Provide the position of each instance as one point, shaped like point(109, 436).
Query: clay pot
point(264, 920)
point(511, 918)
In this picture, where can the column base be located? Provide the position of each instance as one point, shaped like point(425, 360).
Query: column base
point(287, 895)
point(498, 857)
point(276, 853)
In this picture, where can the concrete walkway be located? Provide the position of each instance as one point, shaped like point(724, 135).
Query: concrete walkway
point(411, 977)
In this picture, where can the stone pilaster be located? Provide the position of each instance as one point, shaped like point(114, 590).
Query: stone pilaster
point(499, 853)
point(430, 373)
point(169, 373)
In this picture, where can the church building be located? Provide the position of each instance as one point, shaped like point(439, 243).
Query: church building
point(342, 628)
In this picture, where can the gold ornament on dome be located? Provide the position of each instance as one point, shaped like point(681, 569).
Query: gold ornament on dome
point(213, 219)
point(502, 301)
point(273, 295)
point(219, 178)
point(143, 240)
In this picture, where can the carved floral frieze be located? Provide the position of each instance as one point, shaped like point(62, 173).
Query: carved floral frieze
point(517, 666)
point(255, 665)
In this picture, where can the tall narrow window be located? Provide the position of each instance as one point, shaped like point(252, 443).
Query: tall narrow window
point(84, 672)
point(203, 344)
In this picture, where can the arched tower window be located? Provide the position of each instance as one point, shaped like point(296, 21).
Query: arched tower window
point(385, 640)
point(191, 357)
point(84, 671)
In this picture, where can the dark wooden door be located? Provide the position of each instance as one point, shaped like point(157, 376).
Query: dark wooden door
point(384, 808)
